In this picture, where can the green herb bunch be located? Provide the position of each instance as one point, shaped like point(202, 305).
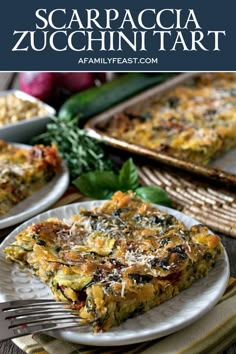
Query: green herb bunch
point(91, 171)
point(81, 153)
point(102, 184)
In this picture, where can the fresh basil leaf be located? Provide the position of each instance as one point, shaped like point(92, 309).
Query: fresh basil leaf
point(153, 194)
point(128, 176)
point(97, 184)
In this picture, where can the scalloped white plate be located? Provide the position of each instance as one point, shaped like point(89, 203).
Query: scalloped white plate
point(39, 200)
point(165, 319)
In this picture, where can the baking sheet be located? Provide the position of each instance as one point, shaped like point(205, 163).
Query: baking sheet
point(221, 169)
point(227, 162)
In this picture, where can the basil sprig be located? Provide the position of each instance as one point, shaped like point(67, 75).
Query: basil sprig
point(102, 184)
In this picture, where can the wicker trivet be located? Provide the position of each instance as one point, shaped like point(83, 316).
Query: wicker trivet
point(213, 207)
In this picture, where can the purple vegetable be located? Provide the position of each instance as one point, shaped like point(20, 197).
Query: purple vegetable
point(38, 84)
point(74, 81)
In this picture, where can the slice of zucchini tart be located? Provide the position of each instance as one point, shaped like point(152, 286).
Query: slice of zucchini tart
point(24, 171)
point(117, 260)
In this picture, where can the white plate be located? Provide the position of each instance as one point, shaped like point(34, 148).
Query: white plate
point(39, 200)
point(167, 318)
point(24, 130)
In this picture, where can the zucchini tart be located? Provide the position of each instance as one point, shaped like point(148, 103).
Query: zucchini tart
point(194, 121)
point(24, 171)
point(117, 260)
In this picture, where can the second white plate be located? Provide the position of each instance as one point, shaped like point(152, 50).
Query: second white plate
point(39, 200)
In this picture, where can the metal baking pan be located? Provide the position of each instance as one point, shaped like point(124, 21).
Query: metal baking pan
point(23, 131)
point(222, 169)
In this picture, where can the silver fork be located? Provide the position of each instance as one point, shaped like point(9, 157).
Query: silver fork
point(22, 317)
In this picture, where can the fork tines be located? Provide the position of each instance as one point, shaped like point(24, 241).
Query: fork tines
point(30, 316)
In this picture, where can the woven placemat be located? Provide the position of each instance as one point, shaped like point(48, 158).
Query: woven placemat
point(212, 206)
